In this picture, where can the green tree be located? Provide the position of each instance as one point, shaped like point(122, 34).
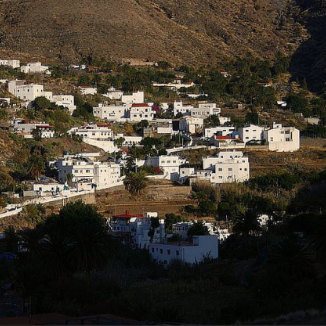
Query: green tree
point(118, 142)
point(247, 224)
point(33, 213)
point(41, 103)
point(37, 134)
point(3, 203)
point(83, 80)
point(252, 117)
point(6, 182)
point(212, 121)
point(131, 164)
point(163, 65)
point(198, 228)
point(69, 178)
point(75, 240)
point(136, 182)
point(171, 219)
point(35, 166)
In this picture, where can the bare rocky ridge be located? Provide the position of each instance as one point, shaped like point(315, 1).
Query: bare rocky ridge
point(191, 31)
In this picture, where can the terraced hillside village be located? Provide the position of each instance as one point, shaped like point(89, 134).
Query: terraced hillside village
point(162, 161)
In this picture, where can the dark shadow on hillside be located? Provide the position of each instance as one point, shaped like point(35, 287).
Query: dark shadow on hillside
point(309, 61)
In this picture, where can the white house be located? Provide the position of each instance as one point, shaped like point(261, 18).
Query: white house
point(135, 229)
point(179, 107)
point(67, 101)
point(25, 128)
point(93, 131)
point(136, 97)
point(223, 234)
point(164, 130)
point(35, 67)
point(229, 166)
point(205, 110)
point(141, 111)
point(168, 164)
point(113, 94)
point(224, 120)
point(195, 96)
point(282, 139)
point(86, 170)
point(87, 90)
point(110, 113)
point(204, 246)
point(221, 131)
point(175, 85)
point(129, 140)
point(182, 228)
point(4, 100)
point(185, 172)
point(10, 63)
point(251, 133)
point(44, 189)
point(164, 106)
point(190, 124)
point(227, 142)
point(107, 175)
point(27, 92)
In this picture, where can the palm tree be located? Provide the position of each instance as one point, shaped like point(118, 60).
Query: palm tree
point(136, 182)
point(247, 224)
point(35, 166)
point(75, 240)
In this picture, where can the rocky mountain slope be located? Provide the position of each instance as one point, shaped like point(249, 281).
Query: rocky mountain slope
point(309, 61)
point(192, 31)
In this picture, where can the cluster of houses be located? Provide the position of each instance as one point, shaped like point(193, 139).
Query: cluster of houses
point(28, 129)
point(147, 231)
point(133, 108)
point(29, 68)
point(85, 171)
point(139, 231)
point(28, 92)
point(277, 137)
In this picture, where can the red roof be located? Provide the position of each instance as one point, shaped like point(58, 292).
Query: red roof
point(138, 105)
point(128, 216)
point(223, 137)
point(44, 126)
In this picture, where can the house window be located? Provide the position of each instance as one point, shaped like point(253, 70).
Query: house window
point(152, 249)
point(161, 251)
point(177, 252)
point(169, 251)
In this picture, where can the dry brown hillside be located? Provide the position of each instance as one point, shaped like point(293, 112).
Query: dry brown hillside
point(188, 31)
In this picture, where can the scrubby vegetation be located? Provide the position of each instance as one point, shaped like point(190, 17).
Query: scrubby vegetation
point(72, 266)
